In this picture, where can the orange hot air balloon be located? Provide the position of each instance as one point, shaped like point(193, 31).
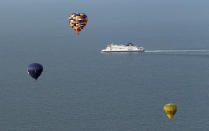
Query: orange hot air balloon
point(170, 110)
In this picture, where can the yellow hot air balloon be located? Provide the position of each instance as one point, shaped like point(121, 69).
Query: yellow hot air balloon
point(170, 110)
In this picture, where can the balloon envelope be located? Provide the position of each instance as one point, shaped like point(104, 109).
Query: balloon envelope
point(170, 110)
point(78, 21)
point(35, 70)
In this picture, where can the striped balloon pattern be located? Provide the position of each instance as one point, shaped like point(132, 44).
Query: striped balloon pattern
point(78, 21)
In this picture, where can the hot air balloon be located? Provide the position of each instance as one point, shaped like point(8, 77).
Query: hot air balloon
point(35, 70)
point(170, 110)
point(78, 21)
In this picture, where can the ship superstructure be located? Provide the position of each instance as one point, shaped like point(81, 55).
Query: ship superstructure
point(123, 48)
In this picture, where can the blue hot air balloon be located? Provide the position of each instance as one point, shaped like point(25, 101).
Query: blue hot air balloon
point(35, 70)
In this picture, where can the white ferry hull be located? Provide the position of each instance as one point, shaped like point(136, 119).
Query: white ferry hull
point(122, 48)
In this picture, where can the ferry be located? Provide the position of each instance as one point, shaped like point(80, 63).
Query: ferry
point(123, 48)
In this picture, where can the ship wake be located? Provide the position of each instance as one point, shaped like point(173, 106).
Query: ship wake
point(178, 51)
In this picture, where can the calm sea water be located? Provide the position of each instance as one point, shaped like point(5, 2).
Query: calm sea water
point(82, 89)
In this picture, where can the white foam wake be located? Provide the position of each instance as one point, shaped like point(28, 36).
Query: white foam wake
point(177, 51)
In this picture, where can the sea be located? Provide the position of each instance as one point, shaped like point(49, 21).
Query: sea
point(82, 89)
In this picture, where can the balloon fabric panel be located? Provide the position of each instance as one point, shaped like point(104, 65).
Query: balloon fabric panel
point(78, 21)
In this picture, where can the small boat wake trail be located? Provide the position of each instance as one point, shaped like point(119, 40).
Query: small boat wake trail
point(189, 52)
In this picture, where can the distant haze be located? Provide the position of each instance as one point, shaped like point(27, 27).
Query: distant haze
point(81, 89)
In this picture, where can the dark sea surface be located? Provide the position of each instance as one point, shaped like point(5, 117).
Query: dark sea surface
point(82, 89)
